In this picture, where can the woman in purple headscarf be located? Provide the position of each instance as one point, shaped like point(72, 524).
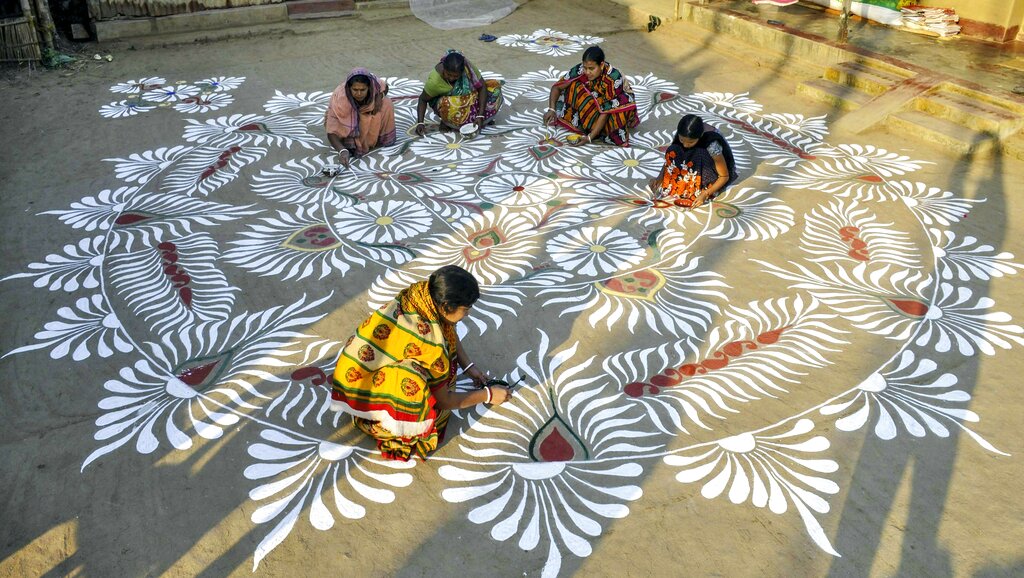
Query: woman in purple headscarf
point(360, 116)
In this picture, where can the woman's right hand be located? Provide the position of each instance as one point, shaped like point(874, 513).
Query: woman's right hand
point(421, 129)
point(499, 395)
point(549, 117)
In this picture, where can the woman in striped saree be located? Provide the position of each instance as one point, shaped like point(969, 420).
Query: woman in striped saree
point(396, 375)
point(594, 99)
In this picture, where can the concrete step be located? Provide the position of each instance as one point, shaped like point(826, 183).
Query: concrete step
point(304, 9)
point(864, 77)
point(839, 96)
point(945, 133)
point(970, 112)
point(1013, 146)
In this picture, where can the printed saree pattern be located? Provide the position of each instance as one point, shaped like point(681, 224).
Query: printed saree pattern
point(583, 101)
point(385, 375)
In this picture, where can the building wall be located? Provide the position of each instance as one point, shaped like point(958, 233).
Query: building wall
point(990, 19)
point(1019, 19)
point(116, 9)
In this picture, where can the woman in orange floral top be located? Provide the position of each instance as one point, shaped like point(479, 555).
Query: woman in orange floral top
point(698, 165)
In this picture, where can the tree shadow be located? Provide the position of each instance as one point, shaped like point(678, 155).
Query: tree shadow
point(928, 465)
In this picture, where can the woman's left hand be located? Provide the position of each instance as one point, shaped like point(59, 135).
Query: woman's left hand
point(479, 123)
point(478, 376)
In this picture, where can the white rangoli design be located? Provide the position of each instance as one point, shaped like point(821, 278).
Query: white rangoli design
point(156, 278)
point(146, 94)
point(550, 42)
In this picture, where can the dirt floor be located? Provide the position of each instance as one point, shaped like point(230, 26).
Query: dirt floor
point(811, 376)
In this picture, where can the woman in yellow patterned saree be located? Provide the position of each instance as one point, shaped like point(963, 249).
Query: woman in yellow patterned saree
point(396, 375)
point(458, 94)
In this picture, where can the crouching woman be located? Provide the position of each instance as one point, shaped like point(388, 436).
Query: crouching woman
point(396, 375)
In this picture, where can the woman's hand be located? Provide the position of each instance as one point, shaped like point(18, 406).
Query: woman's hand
point(655, 185)
point(549, 117)
point(479, 123)
point(344, 157)
point(421, 129)
point(581, 141)
point(477, 375)
point(499, 394)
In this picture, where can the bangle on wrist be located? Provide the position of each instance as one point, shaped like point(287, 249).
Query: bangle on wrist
point(552, 109)
point(489, 395)
point(419, 124)
point(468, 366)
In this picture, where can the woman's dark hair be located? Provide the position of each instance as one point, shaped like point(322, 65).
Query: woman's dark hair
point(360, 78)
point(454, 62)
point(594, 54)
point(452, 287)
point(690, 126)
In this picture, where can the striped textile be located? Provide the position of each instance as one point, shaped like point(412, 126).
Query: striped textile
point(582, 101)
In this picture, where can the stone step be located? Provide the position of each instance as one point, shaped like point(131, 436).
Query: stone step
point(303, 9)
point(838, 95)
point(946, 133)
point(1013, 146)
point(864, 77)
point(970, 112)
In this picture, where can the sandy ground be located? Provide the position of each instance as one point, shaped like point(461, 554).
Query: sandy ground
point(934, 501)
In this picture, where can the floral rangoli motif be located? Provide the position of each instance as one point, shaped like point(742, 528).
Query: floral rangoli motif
point(550, 42)
point(572, 232)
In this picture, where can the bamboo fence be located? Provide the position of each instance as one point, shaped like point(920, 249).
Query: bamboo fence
point(19, 37)
point(18, 40)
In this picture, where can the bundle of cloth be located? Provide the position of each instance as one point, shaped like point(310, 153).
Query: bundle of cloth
point(931, 21)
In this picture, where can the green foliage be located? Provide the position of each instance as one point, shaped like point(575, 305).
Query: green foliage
point(54, 59)
point(890, 4)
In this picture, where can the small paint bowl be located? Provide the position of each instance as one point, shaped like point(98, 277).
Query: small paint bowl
point(573, 138)
point(467, 129)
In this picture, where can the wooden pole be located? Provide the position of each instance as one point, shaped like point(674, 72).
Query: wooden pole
point(844, 21)
point(29, 15)
point(46, 26)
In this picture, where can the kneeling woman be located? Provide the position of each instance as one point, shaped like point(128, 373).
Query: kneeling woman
point(396, 375)
point(360, 116)
point(698, 165)
point(594, 99)
point(458, 94)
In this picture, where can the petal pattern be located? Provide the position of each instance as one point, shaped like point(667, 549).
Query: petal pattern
point(662, 332)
